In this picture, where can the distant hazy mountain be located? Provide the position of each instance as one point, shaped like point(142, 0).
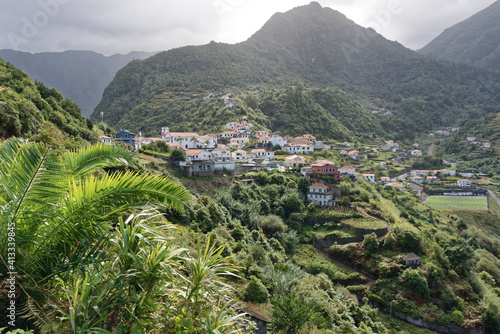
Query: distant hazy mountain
point(474, 41)
point(309, 45)
point(79, 75)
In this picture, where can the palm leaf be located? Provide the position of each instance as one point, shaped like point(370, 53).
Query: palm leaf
point(87, 159)
point(33, 182)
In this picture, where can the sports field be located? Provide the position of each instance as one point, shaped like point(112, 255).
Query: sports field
point(457, 202)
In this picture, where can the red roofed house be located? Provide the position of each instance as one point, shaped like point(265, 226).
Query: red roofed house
point(261, 133)
point(239, 155)
point(325, 167)
point(347, 170)
point(320, 194)
point(184, 139)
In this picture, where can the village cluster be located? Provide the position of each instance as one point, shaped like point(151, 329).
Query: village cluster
point(228, 152)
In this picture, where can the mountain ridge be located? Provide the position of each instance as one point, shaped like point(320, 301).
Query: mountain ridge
point(474, 41)
point(317, 47)
point(80, 75)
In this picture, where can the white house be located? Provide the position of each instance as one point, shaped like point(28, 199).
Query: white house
point(239, 155)
point(432, 179)
point(192, 155)
point(277, 140)
point(221, 153)
point(239, 140)
point(319, 194)
point(228, 134)
point(299, 148)
point(106, 140)
point(264, 140)
point(486, 145)
point(369, 177)
point(231, 125)
point(353, 154)
point(294, 161)
point(464, 183)
point(261, 153)
point(347, 170)
point(417, 179)
point(470, 139)
point(343, 152)
point(416, 152)
point(418, 172)
point(385, 179)
point(188, 140)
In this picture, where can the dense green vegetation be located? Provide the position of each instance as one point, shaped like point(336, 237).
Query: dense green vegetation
point(30, 109)
point(421, 93)
point(326, 113)
point(473, 41)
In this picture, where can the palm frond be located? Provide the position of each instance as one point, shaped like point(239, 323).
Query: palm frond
point(33, 182)
point(102, 197)
point(87, 159)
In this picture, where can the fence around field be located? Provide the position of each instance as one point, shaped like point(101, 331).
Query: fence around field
point(458, 202)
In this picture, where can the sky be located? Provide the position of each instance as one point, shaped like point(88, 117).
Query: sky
point(121, 26)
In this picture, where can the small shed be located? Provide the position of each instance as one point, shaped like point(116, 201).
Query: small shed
point(261, 320)
point(411, 260)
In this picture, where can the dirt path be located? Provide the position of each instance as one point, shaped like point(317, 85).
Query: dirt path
point(430, 151)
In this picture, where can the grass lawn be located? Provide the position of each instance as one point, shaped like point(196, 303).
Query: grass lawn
point(367, 224)
point(457, 202)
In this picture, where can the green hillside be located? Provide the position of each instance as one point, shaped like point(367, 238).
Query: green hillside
point(473, 41)
point(328, 113)
point(30, 109)
point(316, 47)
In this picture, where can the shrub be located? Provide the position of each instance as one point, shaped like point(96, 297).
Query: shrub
point(255, 291)
point(415, 281)
point(272, 224)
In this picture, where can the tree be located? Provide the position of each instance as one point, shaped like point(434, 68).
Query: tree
point(255, 291)
point(290, 314)
point(60, 206)
point(414, 281)
point(370, 244)
point(177, 155)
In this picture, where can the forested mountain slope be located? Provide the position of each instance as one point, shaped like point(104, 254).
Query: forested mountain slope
point(315, 47)
point(473, 41)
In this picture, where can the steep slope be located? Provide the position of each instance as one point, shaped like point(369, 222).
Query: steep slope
point(28, 109)
point(474, 41)
point(79, 75)
point(317, 47)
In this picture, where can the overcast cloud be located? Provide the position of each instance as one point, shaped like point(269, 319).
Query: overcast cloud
point(121, 26)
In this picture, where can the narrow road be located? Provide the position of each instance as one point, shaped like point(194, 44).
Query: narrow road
point(430, 151)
